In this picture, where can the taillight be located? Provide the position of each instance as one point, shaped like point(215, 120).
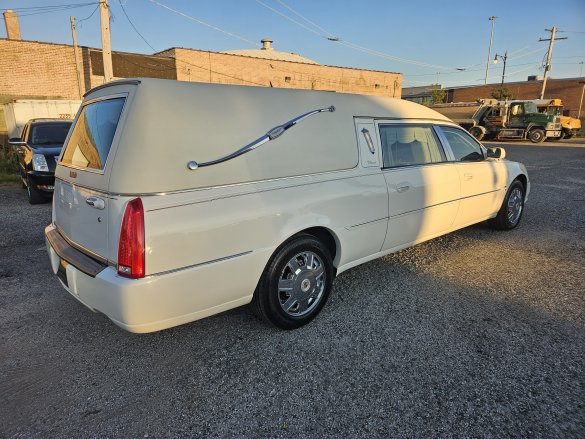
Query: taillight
point(131, 246)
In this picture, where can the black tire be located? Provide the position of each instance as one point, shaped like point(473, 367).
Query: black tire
point(476, 132)
point(568, 135)
point(537, 135)
point(503, 220)
point(35, 196)
point(271, 297)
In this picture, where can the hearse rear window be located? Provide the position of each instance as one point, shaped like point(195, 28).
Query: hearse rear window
point(91, 139)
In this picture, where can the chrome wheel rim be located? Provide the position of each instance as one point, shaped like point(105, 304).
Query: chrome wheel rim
point(301, 284)
point(515, 205)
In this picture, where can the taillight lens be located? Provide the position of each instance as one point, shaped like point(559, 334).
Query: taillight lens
point(131, 246)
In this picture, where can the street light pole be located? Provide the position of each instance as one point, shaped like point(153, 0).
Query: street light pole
point(505, 59)
point(487, 64)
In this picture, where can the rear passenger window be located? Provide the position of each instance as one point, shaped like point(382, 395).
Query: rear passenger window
point(91, 139)
point(404, 145)
point(465, 148)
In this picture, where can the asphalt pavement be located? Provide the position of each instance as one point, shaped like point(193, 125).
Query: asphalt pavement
point(475, 334)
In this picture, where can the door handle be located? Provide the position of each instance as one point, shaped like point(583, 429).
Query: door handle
point(402, 188)
point(96, 202)
point(467, 176)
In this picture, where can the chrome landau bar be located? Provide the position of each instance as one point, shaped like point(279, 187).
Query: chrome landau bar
point(270, 135)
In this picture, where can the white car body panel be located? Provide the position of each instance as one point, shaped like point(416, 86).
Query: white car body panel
point(211, 231)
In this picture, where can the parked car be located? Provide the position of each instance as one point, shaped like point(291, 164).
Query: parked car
point(37, 148)
point(158, 227)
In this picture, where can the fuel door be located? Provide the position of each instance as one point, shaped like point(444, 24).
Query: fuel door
point(368, 143)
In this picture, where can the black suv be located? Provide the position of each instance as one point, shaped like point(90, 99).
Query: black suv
point(38, 148)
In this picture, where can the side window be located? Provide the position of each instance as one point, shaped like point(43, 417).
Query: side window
point(517, 109)
point(464, 147)
point(404, 145)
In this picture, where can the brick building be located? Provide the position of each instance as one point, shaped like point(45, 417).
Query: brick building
point(567, 89)
point(33, 69)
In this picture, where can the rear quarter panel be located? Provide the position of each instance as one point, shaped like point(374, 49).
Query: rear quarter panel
point(206, 225)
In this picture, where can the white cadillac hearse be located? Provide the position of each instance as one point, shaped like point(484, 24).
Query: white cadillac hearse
point(175, 201)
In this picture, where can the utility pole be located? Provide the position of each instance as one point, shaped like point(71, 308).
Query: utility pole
point(106, 47)
point(76, 55)
point(487, 64)
point(581, 102)
point(551, 40)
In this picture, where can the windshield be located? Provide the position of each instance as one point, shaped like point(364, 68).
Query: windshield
point(530, 107)
point(49, 133)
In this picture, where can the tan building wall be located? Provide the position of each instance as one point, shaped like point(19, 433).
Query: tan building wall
point(30, 68)
point(44, 69)
point(569, 90)
point(204, 66)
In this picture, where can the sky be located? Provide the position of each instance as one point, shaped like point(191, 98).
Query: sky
point(426, 41)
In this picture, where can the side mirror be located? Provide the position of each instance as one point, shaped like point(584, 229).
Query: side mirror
point(496, 153)
point(16, 141)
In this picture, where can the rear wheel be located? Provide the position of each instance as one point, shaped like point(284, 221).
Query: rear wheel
point(295, 284)
point(537, 135)
point(568, 135)
point(35, 196)
point(512, 208)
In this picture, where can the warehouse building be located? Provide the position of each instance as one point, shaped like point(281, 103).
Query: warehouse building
point(33, 68)
point(39, 70)
point(570, 90)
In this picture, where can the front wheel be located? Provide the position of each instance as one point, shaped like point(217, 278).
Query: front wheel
point(295, 284)
point(512, 208)
point(537, 135)
point(476, 132)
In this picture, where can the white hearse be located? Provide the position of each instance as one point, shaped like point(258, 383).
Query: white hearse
point(175, 201)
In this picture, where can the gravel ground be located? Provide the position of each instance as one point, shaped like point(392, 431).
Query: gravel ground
point(476, 334)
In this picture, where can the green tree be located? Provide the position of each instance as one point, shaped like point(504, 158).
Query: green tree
point(501, 93)
point(438, 95)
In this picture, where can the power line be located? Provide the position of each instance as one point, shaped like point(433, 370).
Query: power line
point(134, 27)
point(90, 15)
point(204, 23)
point(528, 53)
point(48, 6)
point(304, 18)
point(47, 10)
point(328, 36)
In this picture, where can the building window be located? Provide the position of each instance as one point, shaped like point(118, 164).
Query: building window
point(287, 79)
